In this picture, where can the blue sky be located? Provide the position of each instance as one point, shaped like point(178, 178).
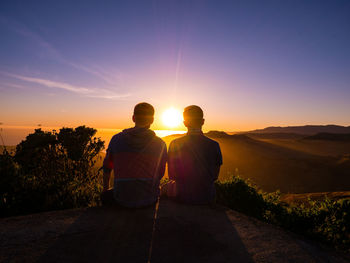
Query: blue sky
point(248, 64)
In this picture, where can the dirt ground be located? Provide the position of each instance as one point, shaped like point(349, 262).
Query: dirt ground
point(169, 232)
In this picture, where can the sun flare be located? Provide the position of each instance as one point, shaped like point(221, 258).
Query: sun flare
point(172, 117)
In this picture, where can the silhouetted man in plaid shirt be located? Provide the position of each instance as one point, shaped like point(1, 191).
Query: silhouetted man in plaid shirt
point(137, 157)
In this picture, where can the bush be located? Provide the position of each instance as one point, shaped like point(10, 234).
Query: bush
point(9, 182)
point(242, 196)
point(327, 221)
point(51, 170)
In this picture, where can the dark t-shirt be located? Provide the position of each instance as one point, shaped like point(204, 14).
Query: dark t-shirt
point(194, 162)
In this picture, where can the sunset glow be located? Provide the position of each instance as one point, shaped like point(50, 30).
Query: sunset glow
point(172, 117)
point(92, 66)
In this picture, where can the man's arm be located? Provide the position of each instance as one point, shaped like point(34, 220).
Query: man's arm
point(106, 178)
point(218, 162)
point(216, 172)
point(171, 162)
point(107, 168)
point(163, 161)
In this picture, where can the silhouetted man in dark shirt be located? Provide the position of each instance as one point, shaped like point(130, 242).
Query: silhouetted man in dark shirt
point(138, 158)
point(194, 161)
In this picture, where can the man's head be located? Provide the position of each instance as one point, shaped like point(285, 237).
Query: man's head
point(143, 115)
point(193, 117)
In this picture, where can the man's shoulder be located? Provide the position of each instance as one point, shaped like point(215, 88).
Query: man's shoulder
point(123, 135)
point(210, 141)
point(117, 136)
point(115, 140)
point(198, 139)
point(179, 140)
point(159, 140)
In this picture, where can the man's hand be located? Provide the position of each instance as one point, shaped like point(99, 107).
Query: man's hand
point(106, 177)
point(107, 168)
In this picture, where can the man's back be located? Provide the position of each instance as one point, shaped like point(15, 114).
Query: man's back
point(194, 162)
point(138, 159)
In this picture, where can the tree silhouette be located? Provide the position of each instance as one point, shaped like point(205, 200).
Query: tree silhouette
point(54, 171)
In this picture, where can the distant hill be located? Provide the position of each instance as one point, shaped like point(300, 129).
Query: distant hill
point(305, 130)
point(217, 134)
point(329, 136)
point(273, 166)
point(276, 135)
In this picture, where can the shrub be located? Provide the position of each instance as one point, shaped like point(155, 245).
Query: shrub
point(327, 220)
point(9, 182)
point(241, 195)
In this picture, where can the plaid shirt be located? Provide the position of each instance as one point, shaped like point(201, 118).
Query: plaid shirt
point(137, 157)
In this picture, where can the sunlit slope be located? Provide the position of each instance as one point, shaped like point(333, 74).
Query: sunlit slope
point(315, 147)
point(275, 167)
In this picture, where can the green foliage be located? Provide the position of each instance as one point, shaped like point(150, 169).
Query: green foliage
point(9, 180)
point(78, 143)
point(51, 170)
point(36, 150)
point(327, 220)
point(241, 195)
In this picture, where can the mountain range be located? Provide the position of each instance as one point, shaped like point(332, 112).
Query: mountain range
point(304, 130)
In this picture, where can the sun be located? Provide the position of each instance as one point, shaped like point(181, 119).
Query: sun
point(172, 117)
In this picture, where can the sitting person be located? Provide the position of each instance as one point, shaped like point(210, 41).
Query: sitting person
point(194, 162)
point(137, 157)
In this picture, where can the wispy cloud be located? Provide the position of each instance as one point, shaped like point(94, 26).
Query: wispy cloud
point(54, 84)
point(85, 91)
point(102, 74)
point(24, 31)
point(12, 85)
point(53, 53)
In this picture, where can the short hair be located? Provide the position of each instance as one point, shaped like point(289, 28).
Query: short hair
point(143, 112)
point(193, 113)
